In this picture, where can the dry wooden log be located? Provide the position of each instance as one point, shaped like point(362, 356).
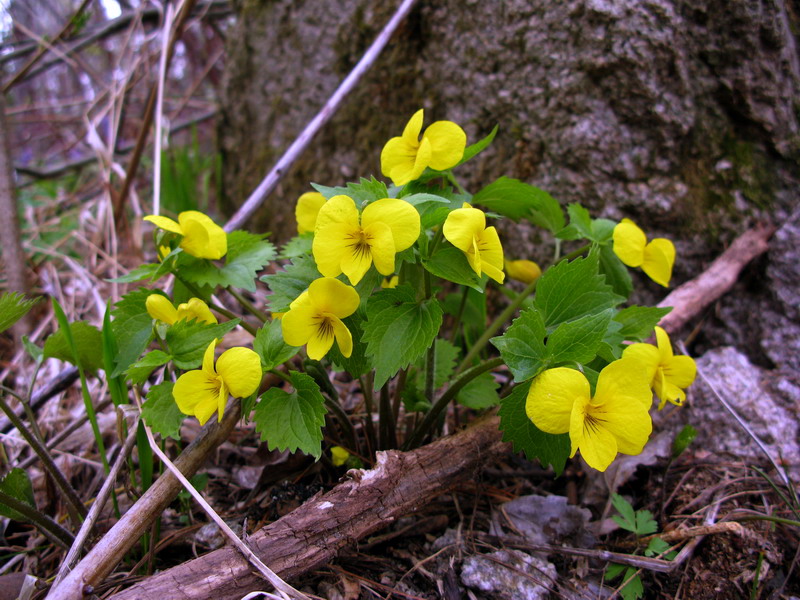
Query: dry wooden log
point(690, 298)
point(313, 534)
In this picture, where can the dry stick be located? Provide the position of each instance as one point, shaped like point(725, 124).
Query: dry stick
point(162, 77)
point(312, 535)
point(304, 139)
point(99, 503)
point(13, 256)
point(102, 559)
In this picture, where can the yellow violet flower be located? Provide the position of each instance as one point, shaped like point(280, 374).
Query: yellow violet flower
point(615, 420)
point(343, 243)
point(202, 237)
point(203, 391)
point(668, 374)
point(389, 283)
point(466, 229)
point(160, 308)
point(525, 271)
point(306, 211)
point(339, 456)
point(656, 257)
point(315, 317)
point(404, 158)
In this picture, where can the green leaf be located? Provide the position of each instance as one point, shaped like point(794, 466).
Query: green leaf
point(570, 290)
point(638, 322)
point(518, 429)
point(517, 200)
point(357, 364)
point(639, 522)
point(633, 590)
point(88, 343)
point(294, 420)
point(140, 273)
point(682, 441)
point(299, 245)
point(363, 192)
point(247, 255)
point(188, 340)
point(615, 272)
point(116, 385)
point(473, 317)
point(161, 412)
point(36, 353)
point(582, 226)
point(578, 340)
point(399, 330)
point(658, 546)
point(424, 198)
point(132, 328)
point(451, 264)
point(288, 284)
point(270, 346)
point(613, 571)
point(522, 346)
point(13, 306)
point(480, 393)
point(444, 362)
point(478, 147)
point(140, 371)
point(16, 484)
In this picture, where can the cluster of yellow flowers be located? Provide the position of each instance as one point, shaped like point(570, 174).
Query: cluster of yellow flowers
point(617, 417)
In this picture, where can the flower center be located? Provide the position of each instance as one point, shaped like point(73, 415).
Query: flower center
point(325, 326)
point(359, 242)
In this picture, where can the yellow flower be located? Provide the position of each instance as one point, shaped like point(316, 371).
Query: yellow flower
point(203, 391)
point(202, 237)
point(159, 307)
point(656, 257)
point(404, 158)
point(315, 317)
point(466, 229)
point(668, 375)
point(390, 282)
point(342, 244)
point(525, 271)
point(339, 456)
point(615, 420)
point(306, 211)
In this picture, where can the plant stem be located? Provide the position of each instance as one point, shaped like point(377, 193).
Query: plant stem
point(433, 414)
point(507, 313)
point(258, 314)
point(344, 421)
point(575, 253)
point(459, 315)
point(42, 521)
point(437, 239)
point(70, 495)
point(367, 383)
point(452, 179)
point(388, 439)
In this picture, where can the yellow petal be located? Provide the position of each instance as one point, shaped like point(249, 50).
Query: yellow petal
point(488, 243)
point(624, 381)
point(306, 211)
point(357, 259)
point(664, 345)
point(422, 160)
point(329, 295)
point(222, 400)
point(552, 396)
point(397, 160)
point(196, 309)
point(597, 444)
point(160, 308)
point(659, 258)
point(474, 257)
point(382, 249)
point(399, 215)
point(196, 394)
point(629, 243)
point(462, 226)
point(669, 392)
point(413, 127)
point(339, 456)
point(647, 355)
point(208, 359)
point(525, 271)
point(448, 141)
point(322, 338)
point(344, 339)
point(299, 325)
point(240, 369)
point(680, 370)
point(164, 223)
point(301, 300)
point(201, 236)
point(332, 244)
point(339, 209)
point(390, 282)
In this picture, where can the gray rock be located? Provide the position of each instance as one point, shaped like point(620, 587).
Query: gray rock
point(509, 575)
point(549, 520)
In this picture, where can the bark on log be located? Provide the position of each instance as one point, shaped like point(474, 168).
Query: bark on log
point(313, 534)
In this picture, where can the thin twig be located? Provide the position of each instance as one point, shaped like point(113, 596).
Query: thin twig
point(45, 524)
point(99, 503)
point(326, 112)
point(162, 76)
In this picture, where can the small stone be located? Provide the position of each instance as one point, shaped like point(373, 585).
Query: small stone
point(509, 574)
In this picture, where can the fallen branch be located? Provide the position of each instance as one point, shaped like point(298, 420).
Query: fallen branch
point(690, 298)
point(312, 536)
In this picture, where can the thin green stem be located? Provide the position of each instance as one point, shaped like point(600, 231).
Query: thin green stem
point(367, 383)
point(42, 521)
point(507, 313)
point(557, 251)
point(280, 374)
point(437, 239)
point(69, 493)
point(258, 314)
point(452, 179)
point(772, 519)
point(432, 415)
point(387, 428)
point(575, 253)
point(344, 421)
point(430, 362)
point(459, 315)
